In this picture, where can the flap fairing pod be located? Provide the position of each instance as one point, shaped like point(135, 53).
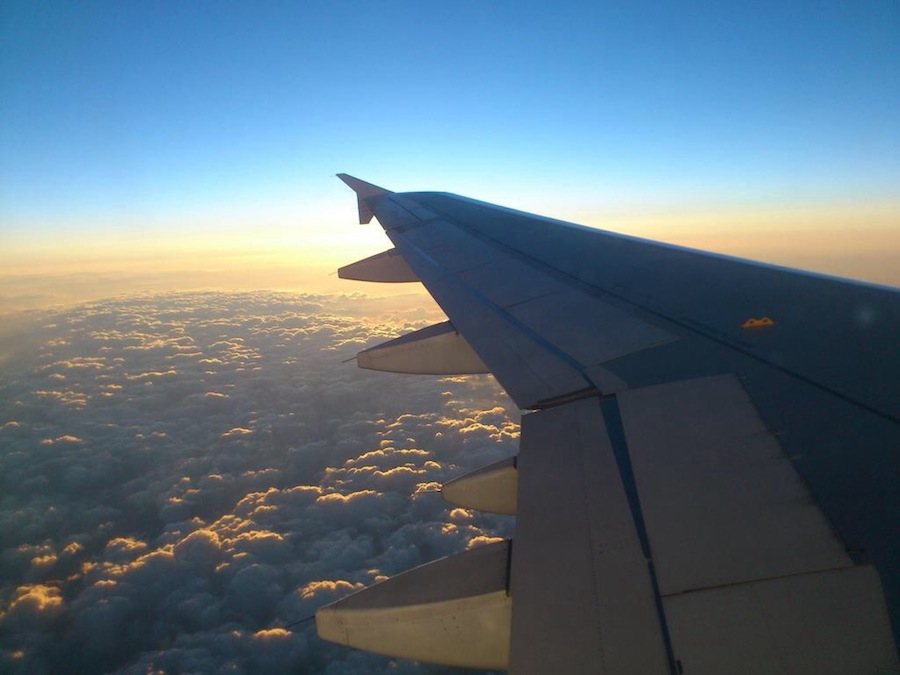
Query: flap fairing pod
point(435, 350)
point(386, 267)
point(492, 488)
point(455, 611)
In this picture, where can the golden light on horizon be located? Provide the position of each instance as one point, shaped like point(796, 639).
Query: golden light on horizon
point(855, 241)
point(861, 242)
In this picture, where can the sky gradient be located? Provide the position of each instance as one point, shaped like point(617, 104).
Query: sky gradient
point(209, 133)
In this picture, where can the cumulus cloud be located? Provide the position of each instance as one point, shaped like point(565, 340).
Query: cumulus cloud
point(32, 605)
point(185, 476)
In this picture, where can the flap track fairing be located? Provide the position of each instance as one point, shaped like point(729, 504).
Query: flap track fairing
point(455, 611)
point(436, 350)
point(492, 488)
point(386, 267)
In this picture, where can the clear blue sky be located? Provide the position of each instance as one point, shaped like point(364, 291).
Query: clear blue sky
point(143, 115)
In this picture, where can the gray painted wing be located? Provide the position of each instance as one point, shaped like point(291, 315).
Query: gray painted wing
point(709, 472)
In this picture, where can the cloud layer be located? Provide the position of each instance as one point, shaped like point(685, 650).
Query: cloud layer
point(183, 476)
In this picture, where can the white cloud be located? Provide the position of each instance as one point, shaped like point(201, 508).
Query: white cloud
point(185, 475)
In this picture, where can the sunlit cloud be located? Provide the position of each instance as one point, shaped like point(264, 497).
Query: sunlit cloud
point(223, 475)
point(33, 604)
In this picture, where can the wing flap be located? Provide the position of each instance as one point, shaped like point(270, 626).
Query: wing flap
point(825, 623)
point(579, 575)
point(722, 503)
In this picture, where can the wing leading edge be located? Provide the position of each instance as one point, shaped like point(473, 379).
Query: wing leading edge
point(707, 475)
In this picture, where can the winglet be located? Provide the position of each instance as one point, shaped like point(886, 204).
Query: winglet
point(366, 194)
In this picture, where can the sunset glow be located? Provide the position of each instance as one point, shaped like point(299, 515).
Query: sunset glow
point(161, 147)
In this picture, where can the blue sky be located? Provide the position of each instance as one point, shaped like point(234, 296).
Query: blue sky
point(165, 119)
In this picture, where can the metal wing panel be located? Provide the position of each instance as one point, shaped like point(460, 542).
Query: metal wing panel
point(527, 369)
point(517, 315)
point(510, 282)
point(456, 251)
point(827, 623)
point(559, 313)
point(722, 503)
point(603, 333)
point(414, 208)
point(583, 597)
point(712, 295)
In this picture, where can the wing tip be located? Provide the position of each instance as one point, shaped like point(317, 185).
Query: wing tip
point(365, 193)
point(362, 188)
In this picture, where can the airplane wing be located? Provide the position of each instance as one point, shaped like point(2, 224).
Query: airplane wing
point(708, 478)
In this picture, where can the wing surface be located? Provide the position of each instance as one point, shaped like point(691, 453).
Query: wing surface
point(709, 471)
